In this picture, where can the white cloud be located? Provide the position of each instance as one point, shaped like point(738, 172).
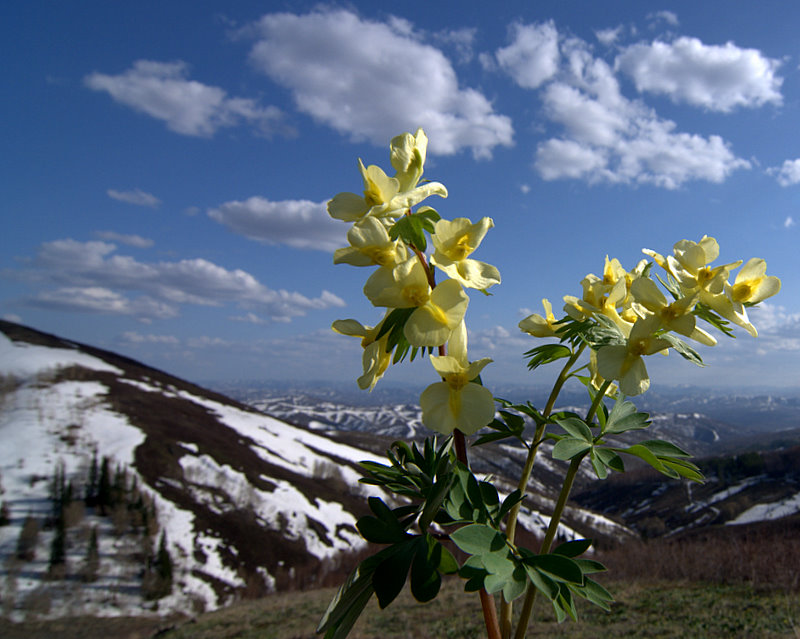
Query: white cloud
point(789, 222)
point(162, 90)
point(608, 36)
point(136, 196)
point(133, 337)
point(609, 138)
point(91, 278)
point(532, 57)
point(136, 241)
point(462, 41)
point(98, 299)
point(250, 318)
point(669, 17)
point(718, 78)
point(372, 80)
point(788, 173)
point(297, 223)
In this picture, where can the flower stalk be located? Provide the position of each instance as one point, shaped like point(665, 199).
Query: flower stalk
point(620, 319)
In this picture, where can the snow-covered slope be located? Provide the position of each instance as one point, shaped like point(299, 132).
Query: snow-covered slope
point(248, 503)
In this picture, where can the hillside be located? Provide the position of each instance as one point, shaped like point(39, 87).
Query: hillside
point(243, 503)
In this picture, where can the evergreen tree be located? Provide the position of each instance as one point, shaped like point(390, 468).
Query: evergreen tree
point(91, 486)
point(92, 558)
point(157, 581)
point(58, 547)
point(104, 487)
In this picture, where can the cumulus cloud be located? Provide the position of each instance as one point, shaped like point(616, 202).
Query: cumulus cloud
point(371, 80)
point(609, 138)
point(532, 57)
point(90, 277)
point(297, 223)
point(789, 222)
point(98, 299)
point(718, 78)
point(788, 173)
point(136, 196)
point(163, 91)
point(136, 241)
point(608, 36)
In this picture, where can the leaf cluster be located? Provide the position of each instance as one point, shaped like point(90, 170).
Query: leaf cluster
point(579, 440)
point(411, 228)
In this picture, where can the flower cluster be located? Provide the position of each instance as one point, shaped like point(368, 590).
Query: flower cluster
point(635, 318)
point(390, 236)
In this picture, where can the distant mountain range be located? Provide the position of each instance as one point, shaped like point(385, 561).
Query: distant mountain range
point(259, 493)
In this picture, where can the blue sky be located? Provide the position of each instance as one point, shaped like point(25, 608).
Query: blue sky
point(166, 167)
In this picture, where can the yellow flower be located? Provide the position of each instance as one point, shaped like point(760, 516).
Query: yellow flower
point(624, 363)
point(379, 190)
point(375, 360)
point(751, 286)
point(676, 316)
point(408, 157)
point(599, 298)
point(454, 241)
point(439, 310)
point(689, 264)
point(457, 402)
point(370, 245)
point(539, 326)
point(382, 197)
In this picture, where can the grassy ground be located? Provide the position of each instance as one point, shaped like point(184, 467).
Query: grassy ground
point(663, 610)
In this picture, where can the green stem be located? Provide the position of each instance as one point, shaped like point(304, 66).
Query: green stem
point(598, 398)
point(552, 529)
point(506, 608)
point(487, 601)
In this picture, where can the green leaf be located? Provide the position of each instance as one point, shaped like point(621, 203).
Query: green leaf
point(576, 427)
point(610, 459)
point(498, 562)
point(509, 502)
point(624, 417)
point(542, 582)
point(684, 469)
point(573, 548)
point(545, 354)
point(425, 578)
point(664, 449)
point(599, 467)
point(477, 539)
point(390, 575)
point(644, 454)
point(683, 349)
point(595, 593)
point(558, 567)
point(589, 566)
point(379, 532)
point(569, 447)
point(347, 604)
point(434, 501)
point(516, 585)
